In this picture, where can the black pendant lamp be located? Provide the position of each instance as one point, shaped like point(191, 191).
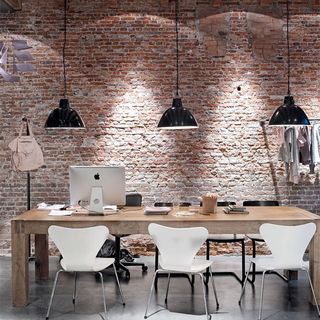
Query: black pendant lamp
point(177, 117)
point(64, 116)
point(289, 113)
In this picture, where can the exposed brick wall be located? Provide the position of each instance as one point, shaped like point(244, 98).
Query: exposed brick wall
point(121, 75)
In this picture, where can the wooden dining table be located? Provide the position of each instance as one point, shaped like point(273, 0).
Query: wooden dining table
point(132, 220)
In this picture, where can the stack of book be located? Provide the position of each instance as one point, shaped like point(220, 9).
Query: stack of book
point(234, 209)
point(157, 210)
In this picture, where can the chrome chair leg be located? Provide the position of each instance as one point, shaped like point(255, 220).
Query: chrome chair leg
point(166, 299)
point(117, 278)
point(245, 283)
point(254, 248)
point(208, 258)
point(151, 291)
point(204, 296)
point(261, 295)
point(52, 292)
point(74, 291)
point(312, 290)
point(214, 288)
point(104, 297)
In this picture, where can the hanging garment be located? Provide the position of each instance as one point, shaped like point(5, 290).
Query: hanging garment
point(289, 153)
point(315, 141)
point(304, 142)
point(26, 152)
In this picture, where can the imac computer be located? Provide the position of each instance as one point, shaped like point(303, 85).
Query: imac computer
point(96, 186)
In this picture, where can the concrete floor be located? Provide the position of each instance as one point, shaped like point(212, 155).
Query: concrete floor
point(281, 301)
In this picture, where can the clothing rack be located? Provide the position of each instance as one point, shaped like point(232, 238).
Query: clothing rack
point(28, 194)
point(263, 122)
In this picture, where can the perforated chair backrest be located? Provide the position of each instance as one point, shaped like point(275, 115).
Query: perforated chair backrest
point(288, 243)
point(163, 204)
point(78, 246)
point(184, 204)
point(260, 203)
point(134, 199)
point(225, 203)
point(177, 246)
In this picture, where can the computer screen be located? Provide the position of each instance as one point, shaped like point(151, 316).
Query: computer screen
point(86, 180)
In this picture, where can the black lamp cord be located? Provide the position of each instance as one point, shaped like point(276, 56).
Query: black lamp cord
point(177, 46)
point(288, 48)
point(64, 47)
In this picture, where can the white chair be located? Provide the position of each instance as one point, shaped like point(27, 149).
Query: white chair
point(288, 245)
point(79, 248)
point(257, 237)
point(178, 247)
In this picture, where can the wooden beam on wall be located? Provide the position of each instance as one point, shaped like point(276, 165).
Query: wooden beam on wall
point(164, 2)
point(14, 4)
point(216, 3)
point(266, 2)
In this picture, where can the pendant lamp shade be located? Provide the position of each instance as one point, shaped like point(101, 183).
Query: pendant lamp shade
point(289, 114)
point(177, 117)
point(64, 116)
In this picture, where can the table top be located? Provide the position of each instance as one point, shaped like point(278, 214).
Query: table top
point(281, 213)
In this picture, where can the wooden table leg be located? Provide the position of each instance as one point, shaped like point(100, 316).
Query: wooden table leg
point(41, 256)
point(19, 266)
point(314, 256)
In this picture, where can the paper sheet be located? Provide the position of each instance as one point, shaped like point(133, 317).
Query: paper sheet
point(183, 213)
point(46, 206)
point(60, 213)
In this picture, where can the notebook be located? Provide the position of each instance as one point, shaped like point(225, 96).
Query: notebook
point(233, 209)
point(157, 210)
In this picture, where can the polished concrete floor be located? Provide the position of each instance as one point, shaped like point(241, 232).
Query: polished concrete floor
point(282, 301)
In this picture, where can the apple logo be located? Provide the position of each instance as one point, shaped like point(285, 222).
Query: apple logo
point(97, 176)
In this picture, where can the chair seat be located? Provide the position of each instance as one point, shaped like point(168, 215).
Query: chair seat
point(226, 237)
point(198, 265)
point(271, 263)
point(255, 236)
point(98, 265)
